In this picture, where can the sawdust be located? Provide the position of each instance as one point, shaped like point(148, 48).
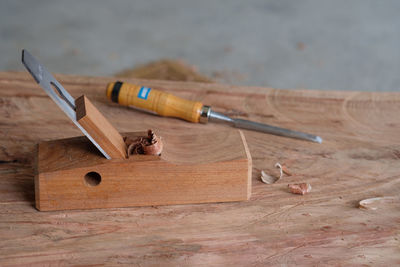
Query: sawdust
point(300, 46)
point(178, 70)
point(166, 69)
point(228, 76)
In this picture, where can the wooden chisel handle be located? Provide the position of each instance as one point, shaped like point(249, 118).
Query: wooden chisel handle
point(160, 102)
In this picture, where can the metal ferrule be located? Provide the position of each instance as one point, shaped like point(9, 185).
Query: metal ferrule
point(205, 114)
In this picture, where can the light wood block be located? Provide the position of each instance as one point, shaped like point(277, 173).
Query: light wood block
point(72, 174)
point(100, 128)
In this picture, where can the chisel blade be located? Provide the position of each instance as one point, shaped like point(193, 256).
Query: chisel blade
point(265, 128)
point(56, 92)
point(260, 127)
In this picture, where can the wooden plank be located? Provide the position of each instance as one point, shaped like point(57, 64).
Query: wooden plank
point(99, 128)
point(359, 159)
point(72, 175)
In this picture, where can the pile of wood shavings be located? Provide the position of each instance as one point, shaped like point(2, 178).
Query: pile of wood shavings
point(301, 188)
point(145, 145)
point(269, 179)
point(178, 70)
point(166, 69)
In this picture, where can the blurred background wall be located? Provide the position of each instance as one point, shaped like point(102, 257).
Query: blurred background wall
point(336, 45)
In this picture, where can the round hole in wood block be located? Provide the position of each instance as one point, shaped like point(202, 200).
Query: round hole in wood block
point(92, 178)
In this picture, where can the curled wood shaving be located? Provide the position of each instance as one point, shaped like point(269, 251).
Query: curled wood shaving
point(301, 189)
point(374, 203)
point(146, 145)
point(269, 179)
point(285, 170)
point(279, 166)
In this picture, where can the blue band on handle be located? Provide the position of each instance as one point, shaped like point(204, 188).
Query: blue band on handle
point(144, 92)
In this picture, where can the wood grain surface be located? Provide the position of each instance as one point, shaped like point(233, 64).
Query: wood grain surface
point(99, 128)
point(359, 159)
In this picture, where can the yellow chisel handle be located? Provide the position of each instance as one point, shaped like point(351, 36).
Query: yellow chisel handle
point(162, 103)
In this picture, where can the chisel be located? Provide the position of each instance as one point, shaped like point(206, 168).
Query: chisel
point(166, 104)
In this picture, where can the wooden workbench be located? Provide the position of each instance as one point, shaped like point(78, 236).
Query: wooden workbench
point(359, 159)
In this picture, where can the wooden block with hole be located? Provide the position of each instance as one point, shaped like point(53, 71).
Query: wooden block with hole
point(72, 174)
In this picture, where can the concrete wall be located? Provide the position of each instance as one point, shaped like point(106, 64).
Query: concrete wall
point(339, 45)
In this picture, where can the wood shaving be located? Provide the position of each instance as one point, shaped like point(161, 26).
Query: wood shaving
point(279, 166)
point(374, 203)
point(285, 170)
point(269, 179)
point(301, 189)
point(145, 145)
